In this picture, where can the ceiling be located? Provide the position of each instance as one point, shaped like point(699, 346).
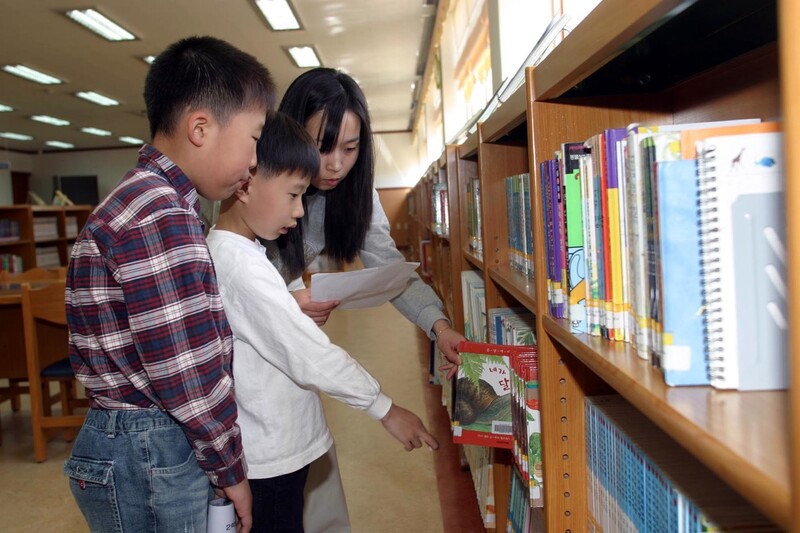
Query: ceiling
point(376, 41)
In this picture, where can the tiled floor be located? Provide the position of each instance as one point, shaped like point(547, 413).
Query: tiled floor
point(388, 489)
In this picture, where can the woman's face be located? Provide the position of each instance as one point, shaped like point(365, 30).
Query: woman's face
point(335, 164)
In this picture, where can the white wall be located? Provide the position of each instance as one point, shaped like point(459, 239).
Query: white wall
point(19, 162)
point(108, 165)
point(395, 165)
point(396, 161)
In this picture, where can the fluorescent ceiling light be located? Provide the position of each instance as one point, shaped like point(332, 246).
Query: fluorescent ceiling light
point(100, 24)
point(279, 14)
point(59, 144)
point(131, 140)
point(96, 98)
point(50, 120)
point(149, 59)
point(96, 131)
point(4, 108)
point(15, 136)
point(30, 74)
point(304, 56)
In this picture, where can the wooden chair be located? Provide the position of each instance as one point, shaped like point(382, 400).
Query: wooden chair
point(34, 274)
point(17, 386)
point(46, 350)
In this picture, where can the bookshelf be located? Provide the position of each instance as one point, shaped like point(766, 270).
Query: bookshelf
point(660, 62)
point(45, 232)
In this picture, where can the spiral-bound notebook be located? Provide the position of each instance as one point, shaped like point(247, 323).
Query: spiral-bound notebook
point(743, 260)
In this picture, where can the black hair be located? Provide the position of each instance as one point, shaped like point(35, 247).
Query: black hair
point(285, 146)
point(348, 207)
point(204, 73)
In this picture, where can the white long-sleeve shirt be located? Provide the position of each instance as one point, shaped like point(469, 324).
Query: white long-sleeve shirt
point(418, 303)
point(281, 361)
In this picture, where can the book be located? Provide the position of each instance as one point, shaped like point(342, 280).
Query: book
point(743, 242)
point(482, 412)
point(683, 343)
point(571, 154)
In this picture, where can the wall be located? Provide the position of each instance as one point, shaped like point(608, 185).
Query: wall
point(395, 164)
point(108, 165)
point(396, 161)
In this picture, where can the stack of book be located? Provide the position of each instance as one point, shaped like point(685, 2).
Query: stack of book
point(672, 238)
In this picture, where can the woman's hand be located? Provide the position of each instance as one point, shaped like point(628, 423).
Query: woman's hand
point(447, 339)
point(318, 311)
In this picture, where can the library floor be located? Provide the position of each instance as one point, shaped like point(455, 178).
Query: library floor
point(388, 489)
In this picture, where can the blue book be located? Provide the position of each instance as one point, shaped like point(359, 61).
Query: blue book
point(683, 361)
point(743, 248)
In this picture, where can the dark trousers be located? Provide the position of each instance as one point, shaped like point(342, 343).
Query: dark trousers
point(278, 502)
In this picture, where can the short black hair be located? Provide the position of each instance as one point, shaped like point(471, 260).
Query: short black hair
point(285, 146)
point(204, 73)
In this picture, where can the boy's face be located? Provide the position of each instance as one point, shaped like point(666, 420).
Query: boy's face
point(274, 204)
point(230, 155)
point(336, 164)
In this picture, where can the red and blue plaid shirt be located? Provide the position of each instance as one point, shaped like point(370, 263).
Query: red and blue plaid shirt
point(147, 327)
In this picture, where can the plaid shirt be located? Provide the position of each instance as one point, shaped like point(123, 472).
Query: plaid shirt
point(147, 327)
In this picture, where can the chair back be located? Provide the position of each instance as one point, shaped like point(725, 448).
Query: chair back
point(44, 320)
point(34, 274)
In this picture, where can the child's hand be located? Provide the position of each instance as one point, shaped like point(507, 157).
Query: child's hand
point(318, 311)
point(406, 427)
point(242, 500)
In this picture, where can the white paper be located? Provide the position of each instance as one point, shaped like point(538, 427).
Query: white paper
point(369, 287)
point(221, 516)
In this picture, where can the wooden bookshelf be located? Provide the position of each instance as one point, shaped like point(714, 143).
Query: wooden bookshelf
point(610, 71)
point(26, 246)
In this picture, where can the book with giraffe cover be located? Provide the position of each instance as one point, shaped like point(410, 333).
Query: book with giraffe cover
point(743, 260)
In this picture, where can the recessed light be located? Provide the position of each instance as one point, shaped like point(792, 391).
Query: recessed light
point(96, 131)
point(304, 56)
point(100, 24)
point(5, 108)
point(50, 120)
point(59, 144)
point(31, 74)
point(15, 136)
point(131, 140)
point(96, 98)
point(149, 59)
point(279, 14)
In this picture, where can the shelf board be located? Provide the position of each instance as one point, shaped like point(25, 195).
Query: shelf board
point(472, 258)
point(741, 436)
point(515, 283)
point(14, 242)
point(626, 46)
point(507, 117)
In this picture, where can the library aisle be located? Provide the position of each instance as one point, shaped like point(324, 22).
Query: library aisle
point(389, 490)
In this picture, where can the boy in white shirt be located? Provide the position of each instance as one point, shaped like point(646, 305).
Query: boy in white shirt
point(282, 360)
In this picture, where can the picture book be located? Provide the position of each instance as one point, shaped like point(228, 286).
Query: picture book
point(743, 250)
point(571, 154)
point(482, 412)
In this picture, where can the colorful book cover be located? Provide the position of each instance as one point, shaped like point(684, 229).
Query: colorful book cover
point(612, 137)
point(482, 413)
point(571, 154)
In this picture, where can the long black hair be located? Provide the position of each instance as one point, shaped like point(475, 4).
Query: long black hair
point(348, 207)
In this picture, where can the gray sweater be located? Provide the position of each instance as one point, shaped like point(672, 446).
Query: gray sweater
point(418, 303)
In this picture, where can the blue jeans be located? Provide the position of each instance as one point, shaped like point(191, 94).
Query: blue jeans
point(134, 471)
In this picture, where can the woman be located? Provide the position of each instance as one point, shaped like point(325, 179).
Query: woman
point(344, 220)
